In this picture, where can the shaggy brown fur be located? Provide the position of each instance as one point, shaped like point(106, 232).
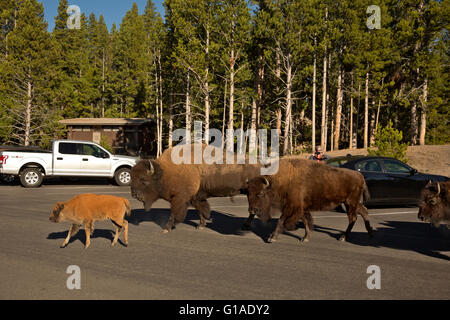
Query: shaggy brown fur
point(187, 184)
point(434, 205)
point(88, 208)
point(302, 186)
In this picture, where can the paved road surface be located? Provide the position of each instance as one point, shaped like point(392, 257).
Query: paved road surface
point(220, 262)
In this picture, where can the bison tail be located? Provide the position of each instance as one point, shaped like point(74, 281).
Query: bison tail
point(366, 194)
point(127, 206)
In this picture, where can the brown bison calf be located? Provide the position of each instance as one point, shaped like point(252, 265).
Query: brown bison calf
point(88, 208)
point(434, 205)
point(302, 186)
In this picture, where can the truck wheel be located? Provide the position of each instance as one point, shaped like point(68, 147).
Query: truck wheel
point(123, 177)
point(31, 178)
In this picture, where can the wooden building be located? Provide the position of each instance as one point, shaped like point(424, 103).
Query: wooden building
point(129, 136)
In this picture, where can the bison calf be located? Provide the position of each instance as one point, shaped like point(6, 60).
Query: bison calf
point(302, 186)
point(88, 208)
point(434, 205)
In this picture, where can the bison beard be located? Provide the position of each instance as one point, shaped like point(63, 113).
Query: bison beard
point(302, 186)
point(434, 205)
point(186, 185)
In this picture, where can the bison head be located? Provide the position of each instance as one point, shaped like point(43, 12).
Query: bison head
point(434, 205)
point(259, 197)
point(145, 185)
point(56, 216)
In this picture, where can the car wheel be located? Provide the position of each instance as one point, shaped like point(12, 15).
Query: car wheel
point(31, 177)
point(123, 177)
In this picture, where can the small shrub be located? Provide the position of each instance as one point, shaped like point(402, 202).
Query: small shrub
point(105, 144)
point(388, 141)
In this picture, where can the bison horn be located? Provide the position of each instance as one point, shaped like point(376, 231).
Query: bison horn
point(439, 189)
point(266, 183)
point(151, 171)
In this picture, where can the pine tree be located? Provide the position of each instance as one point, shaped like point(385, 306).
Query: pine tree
point(26, 72)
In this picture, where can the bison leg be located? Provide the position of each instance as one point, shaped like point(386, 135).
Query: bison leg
point(87, 230)
point(125, 233)
point(362, 210)
point(72, 231)
point(309, 226)
point(178, 210)
point(352, 217)
point(204, 212)
point(280, 227)
point(247, 224)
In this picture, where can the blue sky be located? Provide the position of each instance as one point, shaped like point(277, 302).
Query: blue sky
point(112, 10)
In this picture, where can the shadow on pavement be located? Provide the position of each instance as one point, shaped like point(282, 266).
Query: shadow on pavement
point(81, 236)
point(222, 223)
point(402, 235)
point(413, 236)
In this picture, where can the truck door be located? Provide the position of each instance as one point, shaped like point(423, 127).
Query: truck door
point(66, 160)
point(95, 161)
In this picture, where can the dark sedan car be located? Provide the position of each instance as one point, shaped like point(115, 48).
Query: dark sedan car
point(389, 180)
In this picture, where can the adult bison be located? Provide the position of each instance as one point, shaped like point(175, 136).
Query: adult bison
point(186, 185)
point(302, 186)
point(434, 205)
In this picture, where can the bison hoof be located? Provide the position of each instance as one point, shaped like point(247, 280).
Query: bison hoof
point(199, 227)
point(304, 240)
point(164, 231)
point(342, 238)
point(271, 239)
point(63, 246)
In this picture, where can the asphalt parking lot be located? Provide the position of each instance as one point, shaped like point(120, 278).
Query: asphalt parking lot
point(220, 262)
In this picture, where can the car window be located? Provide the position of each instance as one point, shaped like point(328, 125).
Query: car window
point(91, 150)
point(394, 166)
point(334, 163)
point(67, 148)
point(368, 165)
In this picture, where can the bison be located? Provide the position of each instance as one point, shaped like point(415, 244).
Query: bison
point(302, 186)
point(186, 185)
point(434, 205)
point(88, 208)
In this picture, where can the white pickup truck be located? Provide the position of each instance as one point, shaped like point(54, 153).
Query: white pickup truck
point(68, 158)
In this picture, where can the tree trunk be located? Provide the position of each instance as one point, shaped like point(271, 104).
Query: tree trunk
point(28, 115)
point(350, 143)
point(158, 127)
point(188, 109)
point(423, 114)
point(337, 130)
point(314, 101)
point(103, 84)
point(231, 102)
point(366, 113)
point(288, 114)
point(160, 142)
point(323, 135)
point(170, 142)
point(224, 112)
point(207, 98)
point(372, 124)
